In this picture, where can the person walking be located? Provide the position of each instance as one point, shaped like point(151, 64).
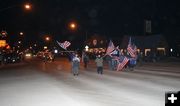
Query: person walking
point(75, 65)
point(85, 60)
point(99, 63)
point(109, 60)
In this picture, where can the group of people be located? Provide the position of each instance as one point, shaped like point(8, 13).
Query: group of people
point(75, 62)
point(111, 60)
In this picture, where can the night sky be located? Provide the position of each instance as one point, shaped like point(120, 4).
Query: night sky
point(105, 17)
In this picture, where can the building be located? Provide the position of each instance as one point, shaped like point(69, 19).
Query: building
point(148, 44)
point(95, 45)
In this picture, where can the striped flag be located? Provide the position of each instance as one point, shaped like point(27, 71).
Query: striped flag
point(64, 45)
point(131, 49)
point(115, 52)
point(123, 60)
point(110, 48)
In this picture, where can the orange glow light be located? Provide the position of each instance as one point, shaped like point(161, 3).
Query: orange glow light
point(72, 25)
point(27, 6)
point(47, 38)
point(2, 43)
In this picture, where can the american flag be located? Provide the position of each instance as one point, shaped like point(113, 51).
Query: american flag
point(123, 60)
point(110, 48)
point(64, 45)
point(131, 49)
point(115, 52)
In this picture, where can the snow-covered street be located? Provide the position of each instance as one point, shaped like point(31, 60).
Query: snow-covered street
point(52, 84)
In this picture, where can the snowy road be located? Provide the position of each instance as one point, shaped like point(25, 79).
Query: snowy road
point(52, 84)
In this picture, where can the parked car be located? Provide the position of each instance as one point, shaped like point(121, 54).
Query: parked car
point(11, 58)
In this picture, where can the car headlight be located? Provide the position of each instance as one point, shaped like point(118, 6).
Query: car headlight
point(28, 55)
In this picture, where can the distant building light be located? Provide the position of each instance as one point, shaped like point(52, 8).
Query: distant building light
point(21, 33)
point(19, 42)
point(28, 55)
point(146, 51)
point(45, 47)
point(87, 48)
point(163, 50)
point(56, 51)
point(2, 43)
point(171, 50)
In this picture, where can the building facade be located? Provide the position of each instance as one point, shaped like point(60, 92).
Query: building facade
point(152, 44)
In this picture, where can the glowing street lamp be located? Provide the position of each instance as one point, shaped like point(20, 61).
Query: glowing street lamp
point(72, 25)
point(21, 33)
point(47, 38)
point(27, 6)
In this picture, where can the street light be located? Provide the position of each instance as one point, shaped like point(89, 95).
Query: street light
point(27, 6)
point(47, 38)
point(73, 26)
point(21, 33)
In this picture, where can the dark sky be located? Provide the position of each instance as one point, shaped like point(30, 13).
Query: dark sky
point(105, 17)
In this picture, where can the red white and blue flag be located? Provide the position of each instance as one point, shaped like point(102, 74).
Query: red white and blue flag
point(131, 49)
point(110, 48)
point(123, 60)
point(115, 52)
point(64, 45)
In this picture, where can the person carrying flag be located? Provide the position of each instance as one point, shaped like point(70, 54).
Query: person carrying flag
point(123, 60)
point(132, 51)
point(108, 55)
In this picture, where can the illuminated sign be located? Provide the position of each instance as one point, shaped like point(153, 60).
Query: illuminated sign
point(2, 43)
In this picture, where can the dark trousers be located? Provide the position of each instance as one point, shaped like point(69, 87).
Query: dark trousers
point(100, 70)
point(85, 64)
